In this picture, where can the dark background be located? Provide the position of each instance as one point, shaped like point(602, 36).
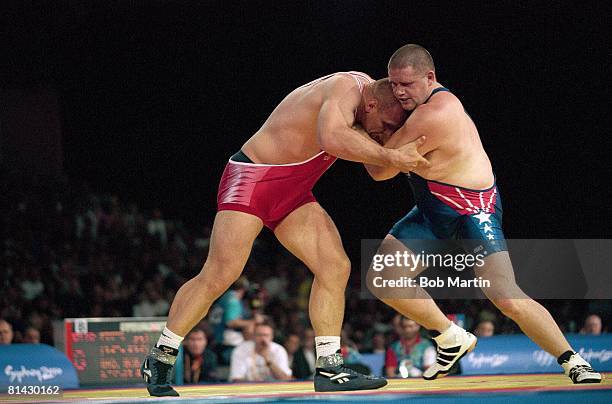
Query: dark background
point(155, 96)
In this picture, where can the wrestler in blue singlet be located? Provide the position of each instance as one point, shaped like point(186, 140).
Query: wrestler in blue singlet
point(467, 218)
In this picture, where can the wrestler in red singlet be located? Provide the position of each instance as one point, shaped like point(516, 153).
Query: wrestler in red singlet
point(272, 191)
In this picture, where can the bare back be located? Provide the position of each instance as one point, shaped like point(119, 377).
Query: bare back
point(289, 134)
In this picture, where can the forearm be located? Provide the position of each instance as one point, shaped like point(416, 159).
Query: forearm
point(348, 144)
point(379, 173)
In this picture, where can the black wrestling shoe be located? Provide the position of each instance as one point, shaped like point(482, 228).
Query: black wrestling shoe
point(158, 374)
point(333, 376)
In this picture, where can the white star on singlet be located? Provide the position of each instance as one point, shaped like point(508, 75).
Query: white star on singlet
point(490, 237)
point(487, 228)
point(483, 217)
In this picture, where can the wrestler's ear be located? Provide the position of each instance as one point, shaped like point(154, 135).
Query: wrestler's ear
point(371, 105)
point(431, 77)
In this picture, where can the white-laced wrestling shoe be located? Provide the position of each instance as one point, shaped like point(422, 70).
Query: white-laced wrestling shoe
point(580, 371)
point(453, 344)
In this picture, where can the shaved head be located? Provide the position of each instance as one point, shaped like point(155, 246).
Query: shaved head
point(412, 55)
point(379, 113)
point(382, 91)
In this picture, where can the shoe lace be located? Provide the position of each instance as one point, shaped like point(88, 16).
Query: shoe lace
point(164, 372)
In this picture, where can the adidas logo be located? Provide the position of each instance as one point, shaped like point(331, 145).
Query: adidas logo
point(447, 355)
point(338, 378)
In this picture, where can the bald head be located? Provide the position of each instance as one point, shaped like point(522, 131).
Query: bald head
point(379, 113)
point(382, 91)
point(414, 56)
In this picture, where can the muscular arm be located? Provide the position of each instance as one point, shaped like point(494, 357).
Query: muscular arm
point(421, 123)
point(336, 135)
point(382, 173)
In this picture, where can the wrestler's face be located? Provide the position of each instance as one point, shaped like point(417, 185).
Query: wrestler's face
point(410, 87)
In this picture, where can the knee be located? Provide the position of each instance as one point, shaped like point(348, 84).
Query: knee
point(333, 273)
point(509, 307)
point(218, 275)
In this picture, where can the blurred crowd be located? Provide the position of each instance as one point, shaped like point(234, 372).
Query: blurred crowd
point(69, 252)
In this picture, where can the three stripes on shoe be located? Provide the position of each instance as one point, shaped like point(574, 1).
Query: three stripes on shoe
point(447, 355)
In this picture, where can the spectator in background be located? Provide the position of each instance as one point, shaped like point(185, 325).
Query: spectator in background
point(228, 317)
point(484, 328)
point(151, 304)
point(156, 227)
point(396, 323)
point(31, 336)
point(248, 332)
point(199, 361)
point(32, 286)
point(378, 343)
point(297, 359)
point(6, 332)
point(350, 352)
point(592, 325)
point(260, 360)
point(411, 355)
point(276, 285)
point(308, 346)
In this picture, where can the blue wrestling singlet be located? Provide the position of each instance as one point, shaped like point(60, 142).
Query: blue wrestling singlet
point(467, 218)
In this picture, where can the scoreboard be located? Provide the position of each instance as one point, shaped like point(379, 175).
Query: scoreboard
point(109, 351)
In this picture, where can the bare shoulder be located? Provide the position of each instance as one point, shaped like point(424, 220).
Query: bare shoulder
point(441, 110)
point(433, 120)
point(444, 103)
point(341, 85)
point(425, 116)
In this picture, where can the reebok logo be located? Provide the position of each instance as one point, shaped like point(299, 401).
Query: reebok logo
point(167, 350)
point(338, 378)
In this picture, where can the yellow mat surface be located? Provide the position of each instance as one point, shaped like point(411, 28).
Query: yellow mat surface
point(447, 385)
